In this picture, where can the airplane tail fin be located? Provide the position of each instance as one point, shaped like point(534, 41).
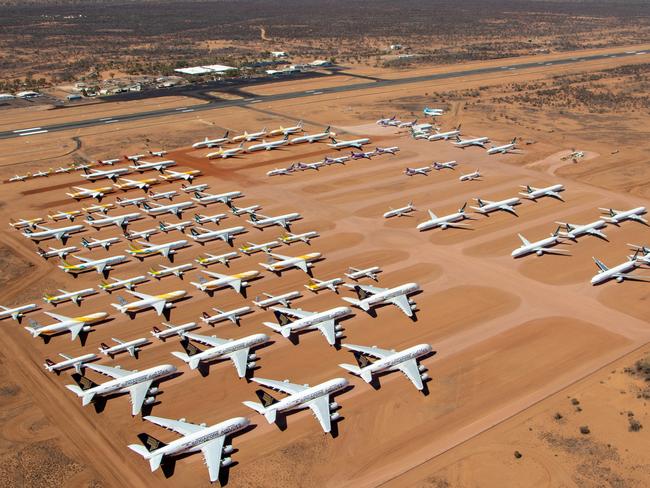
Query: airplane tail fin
point(266, 398)
point(358, 303)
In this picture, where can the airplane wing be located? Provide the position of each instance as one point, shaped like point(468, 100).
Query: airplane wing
point(599, 263)
point(524, 240)
point(138, 394)
point(555, 194)
point(508, 208)
point(159, 306)
point(321, 408)
point(109, 370)
point(632, 277)
point(178, 426)
point(144, 296)
point(294, 312)
point(207, 340)
point(302, 265)
point(638, 218)
point(412, 372)
point(85, 260)
point(370, 351)
point(403, 303)
point(372, 289)
point(284, 386)
point(328, 329)
point(60, 318)
point(240, 360)
point(279, 256)
point(100, 266)
point(212, 452)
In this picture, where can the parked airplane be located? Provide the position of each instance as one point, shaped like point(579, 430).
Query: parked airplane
point(221, 258)
point(163, 195)
point(101, 208)
point(355, 274)
point(279, 262)
point(62, 233)
point(543, 246)
point(251, 248)
point(261, 221)
point(389, 360)
point(305, 237)
point(20, 177)
point(172, 330)
point(141, 234)
point(533, 193)
point(448, 165)
point(293, 320)
point(128, 283)
point(102, 265)
point(17, 313)
point(226, 153)
point(299, 396)
point(204, 219)
point(361, 155)
point(180, 226)
point(618, 216)
point(23, 223)
point(208, 198)
point(189, 175)
point(166, 249)
point(132, 347)
point(318, 285)
point(68, 215)
point(194, 188)
point(111, 174)
point(125, 202)
point(485, 207)
point(69, 362)
point(97, 193)
point(211, 142)
point(236, 281)
point(619, 273)
point(400, 212)
point(371, 296)
point(74, 325)
point(268, 146)
point(385, 120)
point(248, 137)
point(450, 220)
point(74, 296)
point(424, 170)
point(478, 141)
point(158, 154)
point(226, 235)
point(286, 130)
point(221, 315)
point(237, 211)
point(445, 135)
point(53, 252)
point(177, 209)
point(109, 162)
point(126, 184)
point(573, 231)
point(283, 299)
point(177, 271)
point(476, 175)
point(386, 150)
point(143, 166)
point(135, 158)
point(42, 173)
point(340, 160)
point(310, 138)
point(158, 302)
point(503, 149)
point(432, 112)
point(358, 143)
point(120, 221)
point(279, 171)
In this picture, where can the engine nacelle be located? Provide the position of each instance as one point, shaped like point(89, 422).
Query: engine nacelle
point(251, 364)
point(338, 327)
point(169, 305)
point(539, 252)
point(86, 328)
point(226, 462)
point(619, 279)
point(338, 335)
point(422, 368)
point(252, 357)
point(153, 391)
point(149, 400)
point(334, 406)
point(228, 449)
point(424, 376)
point(334, 416)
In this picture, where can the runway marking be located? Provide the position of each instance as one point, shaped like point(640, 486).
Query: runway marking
point(181, 108)
point(317, 93)
point(188, 110)
point(256, 101)
point(110, 121)
point(26, 130)
point(106, 118)
point(32, 133)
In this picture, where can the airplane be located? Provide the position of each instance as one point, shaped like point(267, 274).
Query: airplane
point(432, 112)
point(211, 142)
point(166, 249)
point(358, 143)
point(61, 252)
point(361, 155)
point(253, 136)
point(503, 149)
point(421, 134)
point(487, 206)
point(163, 195)
point(286, 130)
point(62, 233)
point(68, 215)
point(299, 396)
point(221, 258)
point(78, 166)
point(194, 188)
point(97, 193)
point(177, 271)
point(618, 216)
point(533, 193)
point(448, 165)
point(292, 320)
point(135, 158)
point(120, 221)
point(73, 296)
point(209, 440)
point(478, 141)
point(405, 125)
point(158, 154)
point(618, 273)
point(125, 202)
point(268, 146)
point(305, 237)
point(172, 330)
point(318, 285)
point(23, 223)
point(279, 262)
point(74, 325)
point(226, 235)
point(132, 235)
point(129, 184)
point(386, 150)
point(111, 174)
point(237, 350)
point(63, 169)
point(400, 212)
point(236, 281)
point(370, 296)
point(283, 299)
point(355, 274)
point(327, 161)
point(136, 383)
point(143, 166)
point(132, 347)
point(100, 265)
point(101, 208)
point(237, 211)
point(573, 231)
point(128, 283)
point(176, 209)
point(424, 170)
point(574, 156)
point(476, 175)
point(385, 121)
point(215, 219)
point(446, 221)
point(316, 165)
point(42, 173)
point(20, 177)
point(543, 246)
point(279, 171)
point(389, 360)
point(645, 250)
point(180, 226)
point(109, 162)
point(226, 153)
point(17, 313)
point(251, 248)
point(221, 315)
point(69, 362)
point(104, 243)
point(158, 302)
point(311, 138)
point(208, 198)
point(189, 175)
point(281, 220)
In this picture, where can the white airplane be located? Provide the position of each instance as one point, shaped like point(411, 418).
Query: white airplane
point(279, 171)
point(279, 262)
point(101, 208)
point(371, 296)
point(355, 274)
point(158, 154)
point(154, 209)
point(424, 170)
point(159, 303)
point(97, 193)
point(445, 135)
point(287, 130)
point(478, 141)
point(24, 223)
point(208, 198)
point(226, 153)
point(166, 249)
point(69, 362)
point(111, 174)
point(476, 175)
point(132, 235)
point(74, 296)
point(310, 138)
point(358, 143)
point(305, 237)
point(340, 160)
point(135, 158)
point(209, 440)
point(42, 173)
point(171, 175)
point(132, 347)
point(389, 360)
point(20, 177)
point(74, 325)
point(17, 313)
point(68, 215)
point(299, 396)
point(386, 150)
point(62, 233)
point(226, 235)
point(125, 202)
point(432, 112)
point(404, 125)
point(261, 221)
point(103, 243)
point(317, 285)
point(503, 149)
point(573, 231)
point(101, 265)
point(533, 193)
point(292, 320)
point(248, 137)
point(236, 281)
point(194, 188)
point(143, 166)
point(237, 350)
point(172, 330)
point(221, 315)
point(448, 165)
point(120, 221)
point(211, 142)
point(221, 258)
point(177, 271)
point(618, 216)
point(283, 299)
point(401, 211)
point(251, 248)
point(109, 162)
point(385, 120)
point(128, 283)
point(487, 206)
point(543, 246)
point(126, 184)
point(163, 195)
point(618, 273)
point(137, 383)
point(53, 252)
point(268, 145)
point(180, 226)
point(446, 221)
point(63, 169)
point(237, 211)
point(316, 165)
point(204, 219)
point(645, 250)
